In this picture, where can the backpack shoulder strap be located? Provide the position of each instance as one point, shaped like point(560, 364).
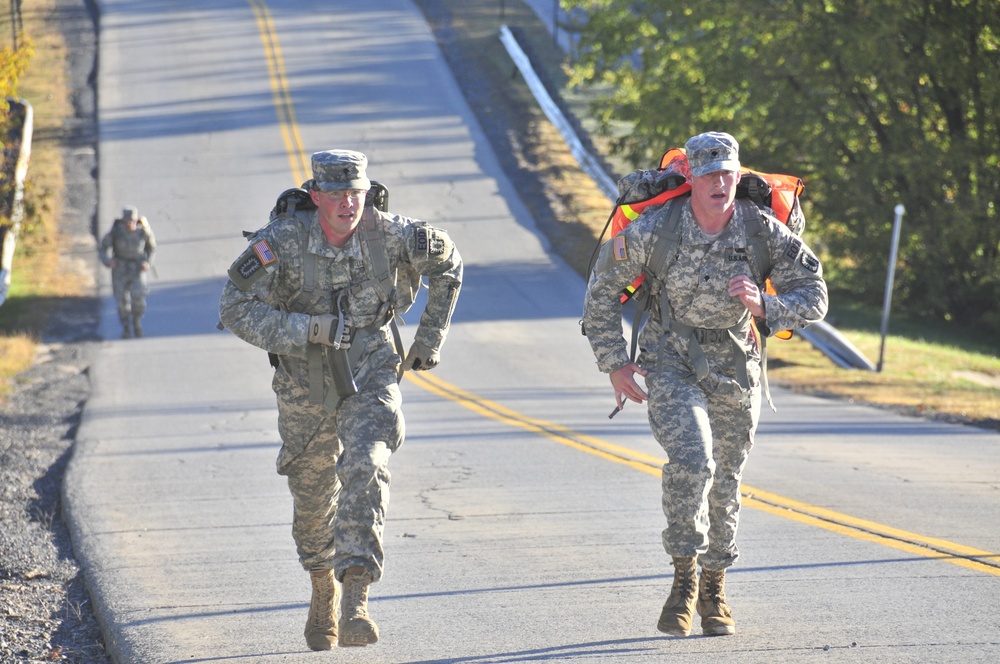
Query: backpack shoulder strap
point(760, 250)
point(381, 276)
point(666, 239)
point(374, 246)
point(760, 265)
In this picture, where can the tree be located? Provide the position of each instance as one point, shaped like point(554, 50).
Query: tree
point(13, 63)
point(872, 102)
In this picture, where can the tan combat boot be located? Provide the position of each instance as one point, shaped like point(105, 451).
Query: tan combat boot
point(356, 627)
point(321, 625)
point(716, 616)
point(678, 612)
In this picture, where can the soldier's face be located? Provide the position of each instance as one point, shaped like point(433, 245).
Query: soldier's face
point(714, 192)
point(339, 212)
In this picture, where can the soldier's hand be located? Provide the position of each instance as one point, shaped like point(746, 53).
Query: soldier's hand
point(323, 330)
point(623, 382)
point(746, 289)
point(421, 357)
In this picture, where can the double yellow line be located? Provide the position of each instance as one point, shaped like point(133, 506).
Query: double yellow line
point(281, 91)
point(842, 524)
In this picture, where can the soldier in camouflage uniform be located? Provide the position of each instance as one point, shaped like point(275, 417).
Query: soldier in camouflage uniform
point(304, 291)
point(701, 360)
point(128, 250)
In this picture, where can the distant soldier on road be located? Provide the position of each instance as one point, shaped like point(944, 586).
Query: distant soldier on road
point(128, 250)
point(701, 357)
point(318, 288)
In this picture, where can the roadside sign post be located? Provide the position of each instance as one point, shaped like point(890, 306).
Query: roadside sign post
point(887, 300)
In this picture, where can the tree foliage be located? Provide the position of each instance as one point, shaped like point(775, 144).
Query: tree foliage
point(13, 63)
point(872, 102)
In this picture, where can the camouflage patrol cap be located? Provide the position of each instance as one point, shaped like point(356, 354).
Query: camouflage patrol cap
point(336, 170)
point(130, 214)
point(712, 151)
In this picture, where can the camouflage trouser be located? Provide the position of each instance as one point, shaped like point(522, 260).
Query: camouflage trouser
point(128, 282)
point(337, 466)
point(707, 436)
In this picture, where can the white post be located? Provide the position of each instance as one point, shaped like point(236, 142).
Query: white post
point(887, 300)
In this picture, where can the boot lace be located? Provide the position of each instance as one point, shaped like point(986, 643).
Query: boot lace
point(356, 592)
point(324, 594)
point(713, 586)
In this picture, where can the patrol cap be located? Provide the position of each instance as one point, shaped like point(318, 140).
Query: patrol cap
point(130, 214)
point(712, 151)
point(336, 170)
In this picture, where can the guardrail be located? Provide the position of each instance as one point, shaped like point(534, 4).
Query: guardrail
point(8, 238)
point(823, 336)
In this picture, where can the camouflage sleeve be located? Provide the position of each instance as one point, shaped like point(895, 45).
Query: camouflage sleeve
point(250, 306)
point(150, 248)
point(105, 250)
point(619, 262)
point(797, 275)
point(431, 253)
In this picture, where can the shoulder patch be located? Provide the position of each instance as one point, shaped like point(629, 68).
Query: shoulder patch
point(422, 242)
point(263, 251)
point(621, 248)
point(794, 247)
point(810, 262)
point(255, 262)
point(430, 241)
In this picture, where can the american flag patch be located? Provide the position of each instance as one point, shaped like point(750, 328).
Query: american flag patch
point(621, 252)
point(264, 253)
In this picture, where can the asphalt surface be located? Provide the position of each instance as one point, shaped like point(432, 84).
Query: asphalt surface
point(524, 525)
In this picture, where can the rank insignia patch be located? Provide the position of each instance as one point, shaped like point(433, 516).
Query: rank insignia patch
point(621, 250)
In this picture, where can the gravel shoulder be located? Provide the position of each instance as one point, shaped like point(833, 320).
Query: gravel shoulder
point(45, 611)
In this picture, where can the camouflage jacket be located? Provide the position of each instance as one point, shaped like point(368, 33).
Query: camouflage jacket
point(267, 301)
point(126, 245)
point(696, 284)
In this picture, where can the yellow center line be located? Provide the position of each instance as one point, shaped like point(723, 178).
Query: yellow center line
point(281, 92)
point(836, 522)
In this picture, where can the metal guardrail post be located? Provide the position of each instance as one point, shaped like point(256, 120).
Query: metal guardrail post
point(890, 278)
point(9, 239)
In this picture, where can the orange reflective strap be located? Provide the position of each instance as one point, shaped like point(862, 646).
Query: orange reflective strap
point(784, 335)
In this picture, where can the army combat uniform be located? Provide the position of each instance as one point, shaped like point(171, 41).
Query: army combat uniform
point(702, 352)
point(335, 450)
point(130, 250)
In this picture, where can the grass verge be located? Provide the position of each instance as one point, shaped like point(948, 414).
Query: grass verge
point(37, 283)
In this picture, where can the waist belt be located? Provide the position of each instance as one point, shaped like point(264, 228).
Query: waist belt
point(710, 335)
point(696, 336)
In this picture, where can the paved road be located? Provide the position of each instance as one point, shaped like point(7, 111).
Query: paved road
point(524, 525)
